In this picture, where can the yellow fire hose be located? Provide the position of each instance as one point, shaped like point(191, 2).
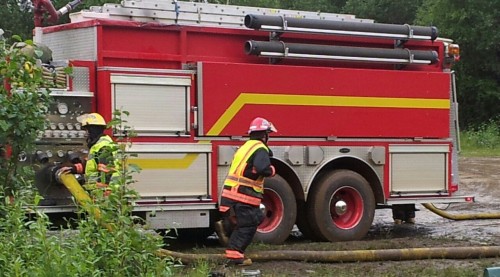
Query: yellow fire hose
point(352, 255)
point(365, 255)
point(444, 214)
point(83, 199)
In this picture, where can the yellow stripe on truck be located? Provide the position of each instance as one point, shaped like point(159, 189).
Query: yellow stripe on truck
point(292, 100)
point(181, 163)
point(325, 101)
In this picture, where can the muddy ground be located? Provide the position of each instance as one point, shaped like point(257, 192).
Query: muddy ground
point(479, 177)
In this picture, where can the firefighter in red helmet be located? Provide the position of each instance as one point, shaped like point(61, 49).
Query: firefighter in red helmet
point(243, 190)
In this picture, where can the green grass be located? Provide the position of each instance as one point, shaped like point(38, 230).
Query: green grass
point(482, 141)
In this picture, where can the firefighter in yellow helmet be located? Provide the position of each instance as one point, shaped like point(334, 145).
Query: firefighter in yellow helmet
point(96, 167)
point(243, 190)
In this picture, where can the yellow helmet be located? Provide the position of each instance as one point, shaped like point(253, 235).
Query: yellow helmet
point(91, 119)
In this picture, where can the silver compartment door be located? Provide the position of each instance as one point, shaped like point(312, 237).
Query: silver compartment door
point(172, 171)
point(418, 169)
point(158, 105)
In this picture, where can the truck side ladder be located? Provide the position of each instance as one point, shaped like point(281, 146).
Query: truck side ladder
point(193, 13)
point(277, 22)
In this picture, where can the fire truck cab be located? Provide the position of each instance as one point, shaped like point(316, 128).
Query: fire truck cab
point(366, 112)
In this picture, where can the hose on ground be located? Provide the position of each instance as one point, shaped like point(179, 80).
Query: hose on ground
point(85, 201)
point(365, 255)
point(447, 215)
point(350, 255)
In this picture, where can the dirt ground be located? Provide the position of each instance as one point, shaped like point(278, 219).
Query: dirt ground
point(479, 177)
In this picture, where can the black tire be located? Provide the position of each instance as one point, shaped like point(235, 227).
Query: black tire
point(279, 214)
point(303, 222)
point(334, 224)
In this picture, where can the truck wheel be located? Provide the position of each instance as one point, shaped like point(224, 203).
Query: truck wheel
point(303, 222)
point(280, 211)
point(341, 207)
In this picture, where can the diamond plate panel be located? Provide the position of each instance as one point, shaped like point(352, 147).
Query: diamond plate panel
point(81, 79)
point(306, 171)
point(73, 44)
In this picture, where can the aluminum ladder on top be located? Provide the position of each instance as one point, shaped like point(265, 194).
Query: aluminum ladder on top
point(193, 13)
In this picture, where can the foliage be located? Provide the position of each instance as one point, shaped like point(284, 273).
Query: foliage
point(107, 243)
point(23, 109)
point(306, 5)
point(117, 247)
point(384, 11)
point(200, 268)
point(312, 5)
point(15, 18)
point(483, 140)
point(473, 25)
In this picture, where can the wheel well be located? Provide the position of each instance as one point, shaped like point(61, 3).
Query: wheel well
point(355, 165)
point(291, 178)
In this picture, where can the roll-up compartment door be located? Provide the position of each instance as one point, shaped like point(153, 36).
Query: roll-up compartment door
point(170, 171)
point(418, 169)
point(158, 105)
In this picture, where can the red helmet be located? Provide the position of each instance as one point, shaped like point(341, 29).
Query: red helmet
point(261, 124)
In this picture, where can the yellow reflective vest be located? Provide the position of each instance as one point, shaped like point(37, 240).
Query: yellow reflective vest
point(97, 166)
point(235, 176)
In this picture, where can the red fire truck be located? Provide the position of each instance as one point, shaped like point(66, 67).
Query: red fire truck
point(366, 112)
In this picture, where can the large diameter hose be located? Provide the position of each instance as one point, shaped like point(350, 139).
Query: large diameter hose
point(352, 255)
point(365, 255)
point(447, 215)
point(279, 23)
point(82, 197)
point(335, 52)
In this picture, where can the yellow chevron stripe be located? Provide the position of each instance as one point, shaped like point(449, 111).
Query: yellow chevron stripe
point(181, 163)
point(292, 100)
point(325, 101)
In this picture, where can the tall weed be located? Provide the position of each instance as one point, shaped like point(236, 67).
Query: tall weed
point(483, 140)
point(28, 244)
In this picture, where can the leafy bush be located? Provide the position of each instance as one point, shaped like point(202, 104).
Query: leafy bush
point(23, 109)
point(105, 244)
point(483, 140)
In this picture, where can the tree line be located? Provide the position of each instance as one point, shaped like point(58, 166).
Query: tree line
point(470, 23)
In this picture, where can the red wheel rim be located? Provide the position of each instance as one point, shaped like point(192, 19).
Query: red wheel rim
point(273, 212)
point(354, 207)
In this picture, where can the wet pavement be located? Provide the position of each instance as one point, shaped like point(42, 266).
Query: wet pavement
point(479, 177)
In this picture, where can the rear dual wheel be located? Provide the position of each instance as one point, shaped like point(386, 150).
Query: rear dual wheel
point(341, 207)
point(280, 211)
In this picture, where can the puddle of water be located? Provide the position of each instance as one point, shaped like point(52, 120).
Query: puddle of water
point(432, 225)
point(480, 178)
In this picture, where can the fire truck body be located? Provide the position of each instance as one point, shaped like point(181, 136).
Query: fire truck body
point(357, 129)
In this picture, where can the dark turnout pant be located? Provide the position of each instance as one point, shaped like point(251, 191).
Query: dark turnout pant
point(248, 219)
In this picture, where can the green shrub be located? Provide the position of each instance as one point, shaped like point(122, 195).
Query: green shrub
point(111, 244)
point(483, 140)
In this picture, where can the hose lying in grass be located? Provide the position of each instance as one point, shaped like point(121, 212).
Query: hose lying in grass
point(473, 252)
point(319, 256)
point(367, 255)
